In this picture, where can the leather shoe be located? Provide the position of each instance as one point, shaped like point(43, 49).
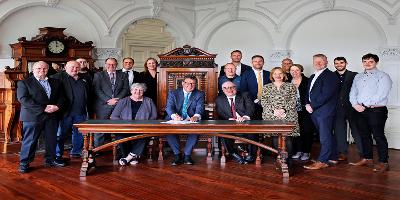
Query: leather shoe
point(188, 160)
point(249, 159)
point(342, 157)
point(363, 162)
point(55, 163)
point(23, 169)
point(333, 162)
point(238, 158)
point(176, 161)
point(381, 167)
point(316, 165)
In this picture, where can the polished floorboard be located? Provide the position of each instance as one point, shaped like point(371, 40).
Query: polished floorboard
point(159, 180)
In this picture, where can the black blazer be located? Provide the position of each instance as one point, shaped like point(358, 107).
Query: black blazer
point(63, 77)
point(33, 99)
point(303, 90)
point(242, 70)
point(103, 91)
point(243, 105)
point(344, 101)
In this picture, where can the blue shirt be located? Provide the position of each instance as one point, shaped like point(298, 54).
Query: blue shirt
point(371, 88)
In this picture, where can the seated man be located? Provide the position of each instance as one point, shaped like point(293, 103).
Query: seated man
point(186, 103)
point(233, 105)
point(230, 75)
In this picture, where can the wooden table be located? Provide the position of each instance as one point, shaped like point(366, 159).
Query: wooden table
point(154, 128)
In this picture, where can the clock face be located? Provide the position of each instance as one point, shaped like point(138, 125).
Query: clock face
point(56, 47)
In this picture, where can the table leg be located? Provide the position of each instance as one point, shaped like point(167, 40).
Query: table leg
point(85, 152)
point(282, 156)
point(209, 140)
point(258, 159)
point(223, 157)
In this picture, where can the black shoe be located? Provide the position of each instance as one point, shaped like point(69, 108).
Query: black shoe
point(23, 169)
point(176, 161)
point(55, 163)
point(238, 158)
point(188, 160)
point(249, 159)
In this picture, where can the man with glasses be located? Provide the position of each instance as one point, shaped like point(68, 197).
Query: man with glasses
point(109, 87)
point(232, 105)
point(41, 100)
point(186, 103)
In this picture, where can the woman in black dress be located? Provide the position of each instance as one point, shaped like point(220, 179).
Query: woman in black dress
point(149, 77)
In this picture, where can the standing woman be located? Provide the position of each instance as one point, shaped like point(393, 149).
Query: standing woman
point(149, 77)
point(279, 103)
point(302, 145)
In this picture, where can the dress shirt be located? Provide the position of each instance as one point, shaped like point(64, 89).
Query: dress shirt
point(317, 73)
point(46, 85)
point(130, 75)
point(230, 104)
point(239, 69)
point(371, 88)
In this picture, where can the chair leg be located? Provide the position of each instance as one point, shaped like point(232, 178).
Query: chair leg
point(209, 146)
point(160, 149)
point(115, 161)
point(223, 158)
point(150, 150)
point(258, 159)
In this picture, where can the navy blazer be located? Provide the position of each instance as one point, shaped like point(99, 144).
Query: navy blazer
point(33, 99)
point(324, 94)
point(249, 83)
point(175, 102)
point(103, 91)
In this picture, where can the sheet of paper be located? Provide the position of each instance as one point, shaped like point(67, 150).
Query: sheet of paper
point(179, 122)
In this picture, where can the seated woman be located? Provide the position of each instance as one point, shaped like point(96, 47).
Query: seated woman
point(134, 107)
point(279, 103)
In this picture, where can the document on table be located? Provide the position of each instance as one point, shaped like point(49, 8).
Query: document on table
point(179, 122)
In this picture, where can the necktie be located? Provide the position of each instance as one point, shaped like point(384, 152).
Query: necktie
point(233, 109)
point(185, 105)
point(260, 85)
point(46, 86)
point(112, 79)
point(130, 78)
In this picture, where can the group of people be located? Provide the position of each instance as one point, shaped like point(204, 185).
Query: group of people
point(320, 104)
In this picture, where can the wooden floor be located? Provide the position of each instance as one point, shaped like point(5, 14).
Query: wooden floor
point(159, 180)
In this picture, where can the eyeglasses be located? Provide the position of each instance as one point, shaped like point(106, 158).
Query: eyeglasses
point(229, 88)
point(189, 83)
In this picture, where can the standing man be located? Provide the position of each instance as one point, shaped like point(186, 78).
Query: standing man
point(186, 103)
point(233, 105)
point(323, 91)
point(40, 99)
point(369, 97)
point(230, 75)
point(109, 87)
point(286, 64)
point(76, 91)
point(252, 82)
point(236, 57)
point(127, 68)
point(344, 111)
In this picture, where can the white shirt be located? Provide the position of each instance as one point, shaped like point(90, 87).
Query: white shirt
point(239, 69)
point(130, 75)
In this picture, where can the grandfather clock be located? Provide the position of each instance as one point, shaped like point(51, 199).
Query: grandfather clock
point(51, 46)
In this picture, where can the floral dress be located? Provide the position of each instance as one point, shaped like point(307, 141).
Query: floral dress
point(283, 97)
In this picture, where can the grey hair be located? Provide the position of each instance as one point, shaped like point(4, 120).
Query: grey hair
point(139, 85)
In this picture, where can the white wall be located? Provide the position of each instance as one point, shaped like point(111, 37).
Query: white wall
point(273, 28)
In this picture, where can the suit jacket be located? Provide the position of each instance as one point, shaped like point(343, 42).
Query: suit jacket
point(242, 69)
point(33, 99)
point(249, 83)
point(324, 93)
point(63, 77)
point(243, 104)
point(344, 99)
point(103, 91)
point(175, 102)
point(123, 110)
point(136, 76)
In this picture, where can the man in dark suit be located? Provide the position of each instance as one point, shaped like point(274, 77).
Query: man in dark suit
point(236, 57)
point(232, 105)
point(76, 90)
point(344, 111)
point(109, 87)
point(252, 83)
point(40, 99)
point(323, 91)
point(186, 103)
point(127, 68)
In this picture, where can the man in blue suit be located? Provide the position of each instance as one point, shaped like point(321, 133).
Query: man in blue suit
point(322, 98)
point(186, 103)
point(252, 83)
